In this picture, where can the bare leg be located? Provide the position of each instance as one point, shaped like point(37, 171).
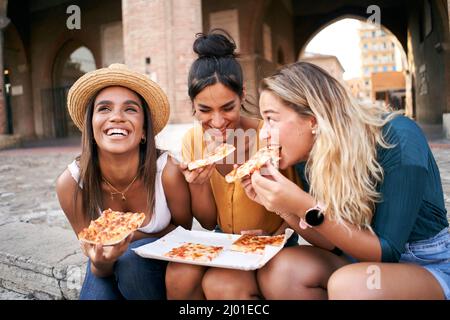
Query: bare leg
point(298, 273)
point(228, 284)
point(183, 281)
point(390, 281)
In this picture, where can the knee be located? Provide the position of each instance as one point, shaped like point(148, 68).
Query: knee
point(217, 285)
point(349, 283)
point(275, 275)
point(182, 280)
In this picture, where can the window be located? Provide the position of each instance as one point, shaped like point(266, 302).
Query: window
point(375, 69)
point(394, 68)
point(385, 68)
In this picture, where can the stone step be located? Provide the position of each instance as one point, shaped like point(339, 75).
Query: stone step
point(40, 262)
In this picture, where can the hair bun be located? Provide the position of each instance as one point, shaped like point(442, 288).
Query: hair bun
point(214, 44)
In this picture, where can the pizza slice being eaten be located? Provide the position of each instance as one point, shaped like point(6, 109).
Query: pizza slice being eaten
point(248, 243)
point(194, 252)
point(219, 153)
point(259, 159)
point(111, 227)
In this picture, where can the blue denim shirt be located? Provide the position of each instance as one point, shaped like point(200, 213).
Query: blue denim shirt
point(412, 204)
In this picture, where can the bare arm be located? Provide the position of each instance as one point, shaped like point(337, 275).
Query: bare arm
point(102, 259)
point(281, 195)
point(310, 235)
point(177, 194)
point(203, 204)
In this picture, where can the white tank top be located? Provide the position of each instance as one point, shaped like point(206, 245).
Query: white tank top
point(161, 215)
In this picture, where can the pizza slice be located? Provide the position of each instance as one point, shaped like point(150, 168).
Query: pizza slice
point(111, 227)
point(194, 252)
point(259, 159)
point(248, 243)
point(219, 153)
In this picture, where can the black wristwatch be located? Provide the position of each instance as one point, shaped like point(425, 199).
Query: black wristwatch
point(313, 217)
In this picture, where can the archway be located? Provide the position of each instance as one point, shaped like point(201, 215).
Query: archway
point(72, 61)
point(20, 119)
point(368, 58)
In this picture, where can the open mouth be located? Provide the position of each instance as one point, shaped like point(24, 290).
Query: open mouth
point(116, 132)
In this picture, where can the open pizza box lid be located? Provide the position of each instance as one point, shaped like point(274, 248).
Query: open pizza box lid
point(226, 259)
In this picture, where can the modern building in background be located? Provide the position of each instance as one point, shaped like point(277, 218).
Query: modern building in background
point(382, 65)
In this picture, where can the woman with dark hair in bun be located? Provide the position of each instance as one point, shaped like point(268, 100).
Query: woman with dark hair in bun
point(217, 93)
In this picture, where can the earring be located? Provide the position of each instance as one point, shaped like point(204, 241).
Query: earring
point(314, 132)
point(143, 140)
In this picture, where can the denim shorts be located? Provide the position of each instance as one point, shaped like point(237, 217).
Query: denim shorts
point(434, 255)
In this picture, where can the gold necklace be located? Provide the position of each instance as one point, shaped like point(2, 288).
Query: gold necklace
point(117, 191)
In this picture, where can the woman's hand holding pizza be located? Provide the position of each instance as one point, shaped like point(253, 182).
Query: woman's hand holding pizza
point(275, 192)
point(104, 255)
point(197, 176)
point(249, 190)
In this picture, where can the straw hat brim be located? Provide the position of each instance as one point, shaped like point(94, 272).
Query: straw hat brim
point(89, 84)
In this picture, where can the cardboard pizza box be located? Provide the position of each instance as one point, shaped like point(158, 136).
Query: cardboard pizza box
point(226, 258)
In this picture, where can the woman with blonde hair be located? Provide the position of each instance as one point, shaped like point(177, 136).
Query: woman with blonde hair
point(373, 195)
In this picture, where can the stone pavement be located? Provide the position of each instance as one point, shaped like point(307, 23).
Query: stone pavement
point(39, 253)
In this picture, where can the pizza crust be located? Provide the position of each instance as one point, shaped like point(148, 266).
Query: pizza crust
point(219, 153)
point(255, 163)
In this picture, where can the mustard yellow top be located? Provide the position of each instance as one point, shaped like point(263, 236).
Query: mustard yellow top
point(235, 211)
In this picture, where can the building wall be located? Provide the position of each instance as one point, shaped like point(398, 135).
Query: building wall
point(3, 118)
point(20, 91)
point(386, 81)
point(163, 30)
point(330, 64)
point(253, 17)
point(431, 89)
point(49, 35)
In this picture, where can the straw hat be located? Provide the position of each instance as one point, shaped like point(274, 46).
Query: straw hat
point(118, 74)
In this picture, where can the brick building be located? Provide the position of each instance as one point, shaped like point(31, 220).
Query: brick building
point(41, 53)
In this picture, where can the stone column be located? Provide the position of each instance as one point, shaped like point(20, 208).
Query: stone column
point(158, 37)
point(4, 21)
point(446, 115)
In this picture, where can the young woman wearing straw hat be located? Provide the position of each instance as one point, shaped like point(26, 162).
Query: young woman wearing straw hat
point(374, 193)
point(119, 112)
point(217, 94)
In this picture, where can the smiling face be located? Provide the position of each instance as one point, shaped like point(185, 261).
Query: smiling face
point(118, 120)
point(286, 128)
point(217, 107)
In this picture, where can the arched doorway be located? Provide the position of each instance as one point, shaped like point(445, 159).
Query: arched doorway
point(73, 61)
point(368, 58)
point(16, 77)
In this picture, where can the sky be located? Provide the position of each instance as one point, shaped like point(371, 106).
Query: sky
point(342, 40)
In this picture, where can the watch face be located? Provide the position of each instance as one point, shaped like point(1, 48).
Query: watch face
point(314, 217)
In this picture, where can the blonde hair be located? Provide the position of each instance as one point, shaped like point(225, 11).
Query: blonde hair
point(342, 168)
